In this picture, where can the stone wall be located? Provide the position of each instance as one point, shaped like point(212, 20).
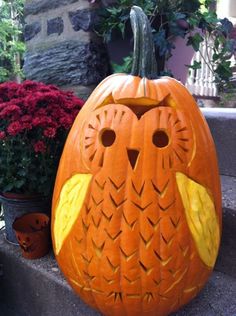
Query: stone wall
point(62, 47)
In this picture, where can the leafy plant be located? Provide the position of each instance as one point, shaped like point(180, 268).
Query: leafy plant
point(34, 122)
point(194, 20)
point(11, 42)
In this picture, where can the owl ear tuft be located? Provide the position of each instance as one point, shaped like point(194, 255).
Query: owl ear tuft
point(168, 101)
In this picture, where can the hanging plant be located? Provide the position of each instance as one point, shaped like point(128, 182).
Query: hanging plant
point(194, 20)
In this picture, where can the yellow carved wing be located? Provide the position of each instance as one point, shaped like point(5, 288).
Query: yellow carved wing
point(68, 207)
point(201, 218)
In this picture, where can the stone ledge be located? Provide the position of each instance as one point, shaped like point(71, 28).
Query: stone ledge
point(228, 187)
point(226, 261)
point(222, 123)
point(36, 288)
point(68, 63)
point(35, 7)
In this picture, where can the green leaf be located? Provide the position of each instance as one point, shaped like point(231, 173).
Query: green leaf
point(193, 21)
point(226, 26)
point(195, 65)
point(195, 41)
point(125, 67)
point(162, 44)
point(114, 10)
point(20, 183)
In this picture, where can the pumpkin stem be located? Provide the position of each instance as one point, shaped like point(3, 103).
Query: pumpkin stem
point(144, 60)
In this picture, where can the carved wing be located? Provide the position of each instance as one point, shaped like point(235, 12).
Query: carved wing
point(201, 218)
point(70, 202)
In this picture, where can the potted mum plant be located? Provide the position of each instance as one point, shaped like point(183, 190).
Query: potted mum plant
point(34, 121)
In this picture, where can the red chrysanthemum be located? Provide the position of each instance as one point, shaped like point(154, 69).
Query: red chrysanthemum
point(40, 147)
point(34, 121)
point(10, 109)
point(49, 132)
point(14, 128)
point(2, 134)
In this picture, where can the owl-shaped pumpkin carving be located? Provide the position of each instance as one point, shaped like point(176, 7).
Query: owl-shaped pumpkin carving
point(137, 206)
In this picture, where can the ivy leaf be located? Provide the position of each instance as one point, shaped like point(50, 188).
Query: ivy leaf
point(114, 10)
point(164, 47)
point(210, 17)
point(125, 67)
point(196, 65)
point(226, 26)
point(176, 30)
point(193, 21)
point(224, 70)
point(195, 41)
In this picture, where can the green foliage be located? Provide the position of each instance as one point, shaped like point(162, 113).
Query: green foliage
point(23, 171)
point(116, 17)
point(192, 20)
point(125, 67)
point(196, 65)
point(195, 41)
point(228, 99)
point(11, 43)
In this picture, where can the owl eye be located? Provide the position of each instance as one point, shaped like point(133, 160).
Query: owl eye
point(160, 138)
point(107, 137)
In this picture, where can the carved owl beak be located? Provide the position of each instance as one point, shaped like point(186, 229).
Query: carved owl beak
point(132, 156)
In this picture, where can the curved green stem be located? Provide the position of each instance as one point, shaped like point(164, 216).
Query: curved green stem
point(144, 60)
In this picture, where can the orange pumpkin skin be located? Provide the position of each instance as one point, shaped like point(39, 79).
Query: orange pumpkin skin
point(130, 251)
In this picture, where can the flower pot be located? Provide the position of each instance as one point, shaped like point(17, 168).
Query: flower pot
point(182, 56)
point(33, 234)
point(15, 206)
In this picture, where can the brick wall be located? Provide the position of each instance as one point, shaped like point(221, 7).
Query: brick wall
point(62, 47)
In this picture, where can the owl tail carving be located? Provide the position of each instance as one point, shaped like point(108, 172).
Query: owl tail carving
point(201, 218)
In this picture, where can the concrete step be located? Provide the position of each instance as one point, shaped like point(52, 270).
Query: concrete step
point(222, 123)
point(218, 298)
point(37, 288)
point(226, 262)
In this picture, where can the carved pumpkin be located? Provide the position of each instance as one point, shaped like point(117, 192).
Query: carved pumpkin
point(137, 206)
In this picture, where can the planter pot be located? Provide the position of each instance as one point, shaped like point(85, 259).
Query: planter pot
point(182, 55)
point(14, 206)
point(33, 234)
